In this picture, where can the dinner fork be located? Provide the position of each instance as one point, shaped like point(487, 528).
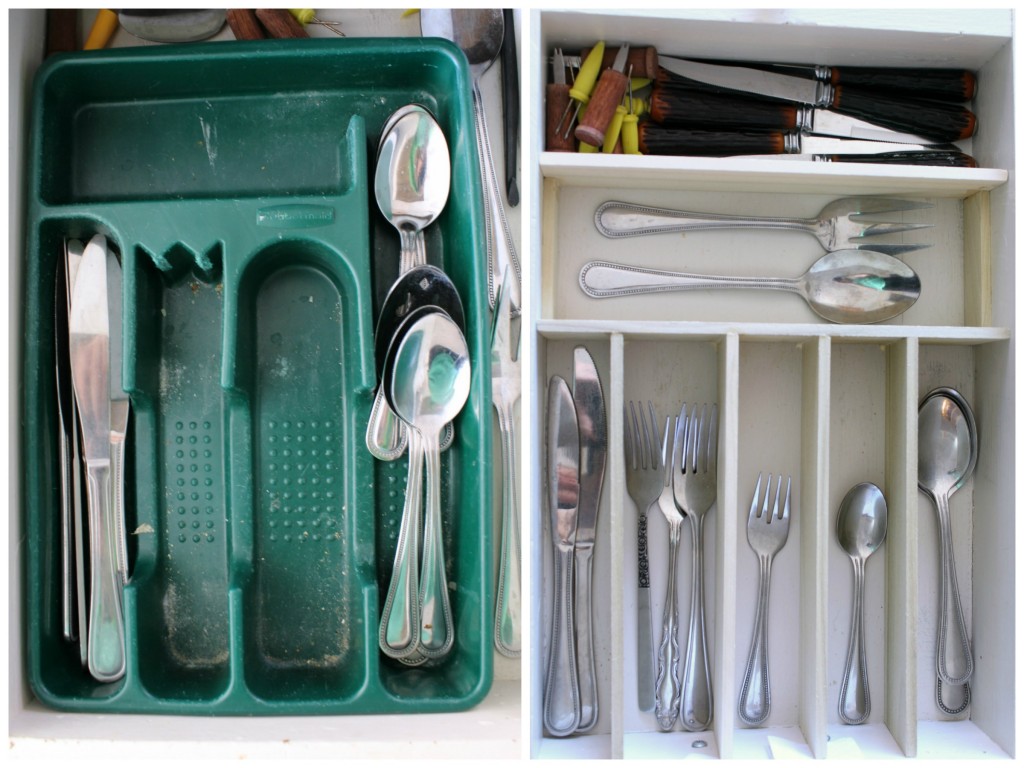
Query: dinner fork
point(766, 534)
point(696, 486)
point(645, 478)
point(839, 225)
point(666, 708)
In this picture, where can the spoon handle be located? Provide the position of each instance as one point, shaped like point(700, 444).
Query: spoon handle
point(602, 279)
point(386, 435)
point(696, 707)
point(436, 632)
point(501, 248)
point(954, 643)
point(854, 697)
point(400, 620)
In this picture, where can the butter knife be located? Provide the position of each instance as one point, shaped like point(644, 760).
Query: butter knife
point(561, 685)
point(590, 412)
point(90, 371)
point(119, 409)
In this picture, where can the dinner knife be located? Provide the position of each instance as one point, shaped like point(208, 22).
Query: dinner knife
point(675, 105)
point(120, 406)
point(67, 425)
point(939, 122)
point(593, 429)
point(561, 685)
point(90, 372)
point(939, 83)
point(659, 140)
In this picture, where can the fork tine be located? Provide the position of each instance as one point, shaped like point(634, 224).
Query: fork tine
point(785, 507)
point(712, 449)
point(868, 205)
point(767, 495)
point(775, 508)
point(632, 438)
point(652, 439)
point(757, 494)
point(879, 228)
point(666, 449)
point(679, 442)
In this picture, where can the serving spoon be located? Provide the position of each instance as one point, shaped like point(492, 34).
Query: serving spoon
point(947, 453)
point(860, 527)
point(427, 384)
point(849, 286)
point(411, 185)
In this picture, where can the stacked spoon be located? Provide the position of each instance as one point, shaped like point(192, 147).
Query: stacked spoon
point(423, 367)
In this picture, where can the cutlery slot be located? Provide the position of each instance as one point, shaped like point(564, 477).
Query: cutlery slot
point(304, 633)
point(181, 574)
point(953, 289)
point(777, 436)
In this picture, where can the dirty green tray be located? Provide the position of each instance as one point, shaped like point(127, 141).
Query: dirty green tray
point(234, 179)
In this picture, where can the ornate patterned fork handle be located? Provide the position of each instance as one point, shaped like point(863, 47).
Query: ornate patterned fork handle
point(667, 687)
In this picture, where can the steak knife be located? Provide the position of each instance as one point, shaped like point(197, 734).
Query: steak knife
point(593, 429)
point(938, 122)
point(561, 686)
point(90, 372)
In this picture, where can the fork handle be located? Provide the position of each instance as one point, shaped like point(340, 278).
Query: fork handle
point(696, 706)
point(617, 219)
point(755, 693)
point(666, 708)
point(644, 632)
point(507, 622)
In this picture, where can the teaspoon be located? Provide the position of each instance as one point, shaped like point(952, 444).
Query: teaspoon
point(861, 527)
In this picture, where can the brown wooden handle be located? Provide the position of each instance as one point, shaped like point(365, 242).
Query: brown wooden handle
point(555, 102)
point(677, 106)
point(61, 31)
point(644, 61)
point(956, 85)
point(244, 24)
point(280, 23)
point(606, 97)
point(656, 140)
point(931, 119)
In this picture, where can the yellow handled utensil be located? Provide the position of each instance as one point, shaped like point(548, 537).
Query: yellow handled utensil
point(102, 30)
point(308, 16)
point(584, 85)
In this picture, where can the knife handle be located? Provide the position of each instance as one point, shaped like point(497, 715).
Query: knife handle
point(674, 106)
point(601, 107)
point(561, 687)
point(555, 105)
point(584, 557)
point(944, 158)
point(956, 85)
point(280, 24)
point(938, 122)
point(244, 25)
point(106, 622)
point(657, 140)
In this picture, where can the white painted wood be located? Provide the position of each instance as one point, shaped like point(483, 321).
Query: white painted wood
point(620, 541)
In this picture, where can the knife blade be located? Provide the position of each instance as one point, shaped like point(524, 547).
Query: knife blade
point(590, 413)
point(90, 373)
point(561, 685)
point(659, 140)
point(120, 406)
point(939, 122)
point(675, 105)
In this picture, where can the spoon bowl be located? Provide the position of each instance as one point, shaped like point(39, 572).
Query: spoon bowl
point(947, 453)
point(860, 528)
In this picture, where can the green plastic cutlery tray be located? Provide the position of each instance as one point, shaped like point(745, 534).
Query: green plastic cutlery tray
point(235, 181)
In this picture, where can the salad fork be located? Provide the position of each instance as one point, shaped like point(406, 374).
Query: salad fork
point(696, 486)
point(666, 709)
point(645, 478)
point(766, 534)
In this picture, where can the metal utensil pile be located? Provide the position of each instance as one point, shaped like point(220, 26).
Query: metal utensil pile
point(94, 412)
point(423, 366)
point(577, 440)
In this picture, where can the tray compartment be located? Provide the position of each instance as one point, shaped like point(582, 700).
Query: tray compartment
point(182, 571)
point(303, 619)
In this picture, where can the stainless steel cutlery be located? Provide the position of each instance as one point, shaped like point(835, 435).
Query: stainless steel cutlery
point(102, 407)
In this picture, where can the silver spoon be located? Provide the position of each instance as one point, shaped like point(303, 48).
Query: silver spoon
point(947, 452)
point(848, 286)
point(427, 385)
point(479, 33)
point(861, 527)
point(411, 184)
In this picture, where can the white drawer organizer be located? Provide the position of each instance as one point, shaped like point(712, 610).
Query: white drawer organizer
point(830, 405)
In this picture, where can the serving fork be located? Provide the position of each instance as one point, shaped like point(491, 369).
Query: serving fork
point(840, 225)
point(645, 478)
point(696, 488)
point(766, 534)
